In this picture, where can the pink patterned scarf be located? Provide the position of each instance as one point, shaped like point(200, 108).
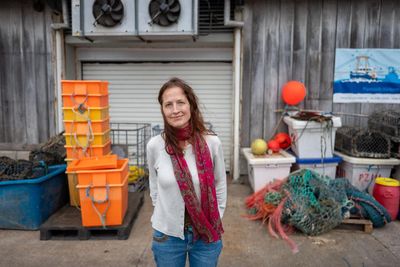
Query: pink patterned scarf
point(205, 215)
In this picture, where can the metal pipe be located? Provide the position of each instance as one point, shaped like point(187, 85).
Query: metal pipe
point(65, 18)
point(236, 120)
point(60, 126)
point(58, 27)
point(227, 16)
point(237, 63)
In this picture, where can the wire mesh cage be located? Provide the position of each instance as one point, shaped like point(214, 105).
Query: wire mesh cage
point(386, 121)
point(395, 149)
point(129, 140)
point(363, 143)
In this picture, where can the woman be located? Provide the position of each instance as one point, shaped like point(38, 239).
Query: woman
point(187, 182)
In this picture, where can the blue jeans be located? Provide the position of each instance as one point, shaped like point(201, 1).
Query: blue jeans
point(172, 251)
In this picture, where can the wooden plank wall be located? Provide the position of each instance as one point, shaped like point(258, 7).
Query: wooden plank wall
point(26, 74)
point(296, 40)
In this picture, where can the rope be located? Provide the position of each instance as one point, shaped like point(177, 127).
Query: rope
point(89, 132)
point(102, 216)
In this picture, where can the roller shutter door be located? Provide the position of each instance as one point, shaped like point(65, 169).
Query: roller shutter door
point(134, 87)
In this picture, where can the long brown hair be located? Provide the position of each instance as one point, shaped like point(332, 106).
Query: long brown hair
point(196, 118)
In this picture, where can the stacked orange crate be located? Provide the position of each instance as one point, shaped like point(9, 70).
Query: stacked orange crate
point(103, 190)
point(86, 121)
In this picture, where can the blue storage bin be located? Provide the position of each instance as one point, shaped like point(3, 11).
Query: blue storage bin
point(26, 204)
point(323, 166)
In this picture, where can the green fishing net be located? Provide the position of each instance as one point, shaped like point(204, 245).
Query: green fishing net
point(315, 204)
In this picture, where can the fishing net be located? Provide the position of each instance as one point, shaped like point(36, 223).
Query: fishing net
point(52, 152)
point(11, 170)
point(311, 203)
point(313, 206)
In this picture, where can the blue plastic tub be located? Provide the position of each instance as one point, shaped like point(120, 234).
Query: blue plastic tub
point(26, 204)
point(324, 166)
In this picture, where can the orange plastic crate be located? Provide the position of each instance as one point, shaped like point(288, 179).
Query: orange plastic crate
point(79, 87)
point(69, 163)
point(112, 176)
point(107, 198)
point(82, 127)
point(87, 101)
point(93, 151)
point(94, 164)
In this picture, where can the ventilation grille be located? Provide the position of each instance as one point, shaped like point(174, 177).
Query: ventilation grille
point(211, 17)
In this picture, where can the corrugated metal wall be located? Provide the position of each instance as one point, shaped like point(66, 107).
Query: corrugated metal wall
point(288, 39)
point(133, 89)
point(26, 74)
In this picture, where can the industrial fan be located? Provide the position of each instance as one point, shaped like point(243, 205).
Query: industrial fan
point(164, 12)
point(108, 13)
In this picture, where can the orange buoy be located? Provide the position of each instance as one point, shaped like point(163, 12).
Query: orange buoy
point(293, 92)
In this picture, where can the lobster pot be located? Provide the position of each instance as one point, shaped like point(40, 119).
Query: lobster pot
point(362, 143)
point(395, 148)
point(387, 121)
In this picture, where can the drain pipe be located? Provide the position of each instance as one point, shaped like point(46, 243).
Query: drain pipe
point(237, 81)
point(58, 28)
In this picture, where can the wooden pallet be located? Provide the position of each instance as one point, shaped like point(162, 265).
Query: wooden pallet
point(66, 224)
point(352, 223)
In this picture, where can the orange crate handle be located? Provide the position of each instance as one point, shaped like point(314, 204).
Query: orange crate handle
point(102, 216)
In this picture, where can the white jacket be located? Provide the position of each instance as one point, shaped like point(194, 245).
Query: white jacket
point(169, 207)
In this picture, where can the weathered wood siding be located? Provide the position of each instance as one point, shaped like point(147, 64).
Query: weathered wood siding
point(26, 74)
point(296, 40)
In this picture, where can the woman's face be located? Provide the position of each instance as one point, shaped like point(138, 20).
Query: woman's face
point(176, 107)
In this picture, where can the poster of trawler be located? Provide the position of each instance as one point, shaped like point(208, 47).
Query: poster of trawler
point(367, 76)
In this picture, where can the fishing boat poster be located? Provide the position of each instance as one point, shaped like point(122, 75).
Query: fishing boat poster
point(367, 76)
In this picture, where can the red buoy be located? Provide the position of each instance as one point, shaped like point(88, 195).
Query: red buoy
point(293, 92)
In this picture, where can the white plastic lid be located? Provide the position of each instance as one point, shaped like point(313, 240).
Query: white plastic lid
point(276, 158)
point(368, 161)
point(299, 124)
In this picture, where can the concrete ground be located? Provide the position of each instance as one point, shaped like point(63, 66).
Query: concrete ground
point(246, 243)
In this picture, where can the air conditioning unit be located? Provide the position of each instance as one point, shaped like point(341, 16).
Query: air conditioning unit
point(167, 18)
point(103, 17)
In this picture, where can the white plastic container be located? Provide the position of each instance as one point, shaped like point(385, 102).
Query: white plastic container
point(264, 169)
point(312, 139)
point(326, 166)
point(361, 172)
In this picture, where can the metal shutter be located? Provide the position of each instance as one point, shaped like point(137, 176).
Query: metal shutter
point(134, 87)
